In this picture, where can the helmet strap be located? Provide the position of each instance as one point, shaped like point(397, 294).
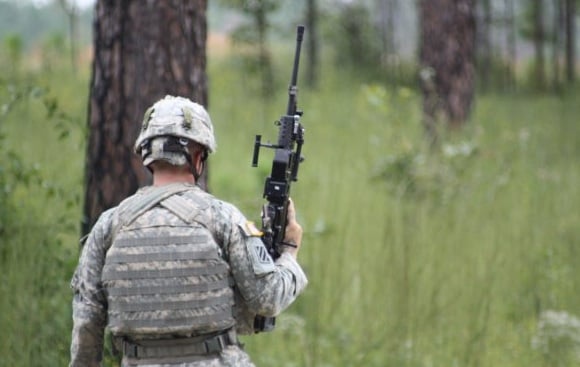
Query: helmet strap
point(197, 174)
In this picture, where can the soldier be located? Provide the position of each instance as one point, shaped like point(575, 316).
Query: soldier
point(173, 272)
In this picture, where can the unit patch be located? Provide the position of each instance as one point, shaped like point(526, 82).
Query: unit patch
point(261, 260)
point(262, 254)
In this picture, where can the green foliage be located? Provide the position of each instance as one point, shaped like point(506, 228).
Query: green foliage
point(13, 171)
point(418, 257)
point(40, 146)
point(500, 76)
point(254, 36)
point(252, 7)
point(412, 168)
point(455, 257)
point(52, 48)
point(13, 46)
point(31, 22)
point(349, 29)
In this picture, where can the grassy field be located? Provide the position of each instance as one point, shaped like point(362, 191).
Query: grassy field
point(416, 257)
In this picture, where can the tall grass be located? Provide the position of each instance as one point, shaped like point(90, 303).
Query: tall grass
point(41, 181)
point(416, 257)
point(419, 257)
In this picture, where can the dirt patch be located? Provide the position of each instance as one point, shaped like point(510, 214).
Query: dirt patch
point(218, 44)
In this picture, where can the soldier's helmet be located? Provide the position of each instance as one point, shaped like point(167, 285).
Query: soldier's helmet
point(167, 128)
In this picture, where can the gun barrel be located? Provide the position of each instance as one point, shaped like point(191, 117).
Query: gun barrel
point(292, 90)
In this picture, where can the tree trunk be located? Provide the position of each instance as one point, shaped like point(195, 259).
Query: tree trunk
point(143, 51)
point(484, 46)
point(265, 59)
point(539, 40)
point(570, 40)
point(72, 13)
point(312, 67)
point(511, 40)
point(447, 60)
point(387, 11)
point(557, 45)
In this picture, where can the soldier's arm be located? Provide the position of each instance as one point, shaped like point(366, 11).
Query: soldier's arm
point(267, 286)
point(89, 301)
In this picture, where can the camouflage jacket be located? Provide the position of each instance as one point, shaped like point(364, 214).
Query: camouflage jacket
point(262, 286)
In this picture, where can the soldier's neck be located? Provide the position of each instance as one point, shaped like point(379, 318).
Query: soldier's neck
point(168, 177)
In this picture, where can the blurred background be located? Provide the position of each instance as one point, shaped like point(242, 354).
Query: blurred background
point(440, 193)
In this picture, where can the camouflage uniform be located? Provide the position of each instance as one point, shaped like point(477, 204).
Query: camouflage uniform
point(261, 285)
point(257, 284)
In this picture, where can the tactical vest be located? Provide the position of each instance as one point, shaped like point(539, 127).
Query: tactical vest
point(164, 273)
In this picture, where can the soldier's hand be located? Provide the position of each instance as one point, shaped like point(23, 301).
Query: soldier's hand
point(293, 234)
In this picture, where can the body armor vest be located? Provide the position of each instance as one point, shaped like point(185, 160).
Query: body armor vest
point(164, 273)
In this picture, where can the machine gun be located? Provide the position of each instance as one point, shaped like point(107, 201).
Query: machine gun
point(287, 159)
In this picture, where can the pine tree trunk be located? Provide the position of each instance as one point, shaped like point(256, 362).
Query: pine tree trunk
point(312, 67)
point(264, 57)
point(143, 51)
point(511, 41)
point(484, 46)
point(387, 11)
point(539, 40)
point(557, 44)
point(447, 57)
point(570, 40)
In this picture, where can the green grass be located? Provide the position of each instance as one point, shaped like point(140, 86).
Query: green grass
point(416, 257)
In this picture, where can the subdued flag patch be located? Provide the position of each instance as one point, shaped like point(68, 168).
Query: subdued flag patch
point(252, 230)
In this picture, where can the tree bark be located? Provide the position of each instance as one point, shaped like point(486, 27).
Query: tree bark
point(143, 51)
point(312, 67)
point(72, 13)
point(484, 46)
point(570, 40)
point(557, 44)
point(539, 39)
point(511, 41)
point(447, 60)
point(386, 13)
point(265, 59)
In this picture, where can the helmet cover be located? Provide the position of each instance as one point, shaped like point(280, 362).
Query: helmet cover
point(175, 117)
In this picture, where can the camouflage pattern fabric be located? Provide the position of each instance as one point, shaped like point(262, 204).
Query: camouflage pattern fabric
point(164, 272)
point(230, 356)
point(261, 286)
